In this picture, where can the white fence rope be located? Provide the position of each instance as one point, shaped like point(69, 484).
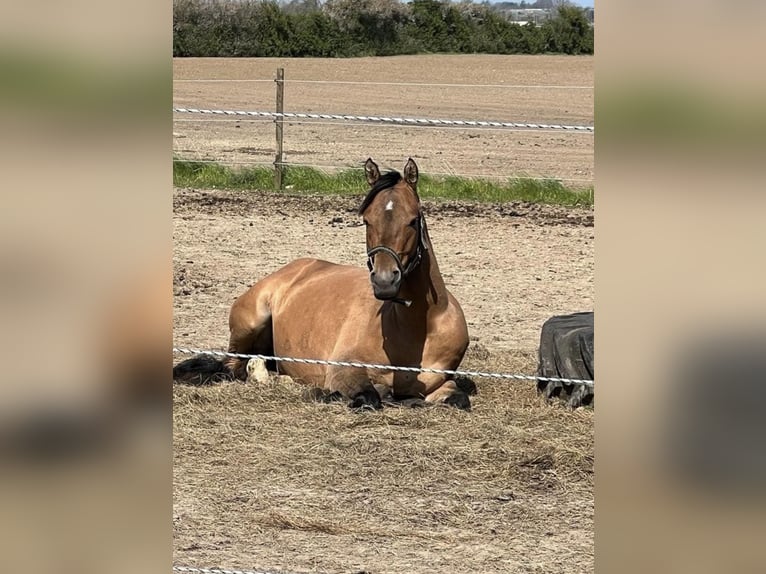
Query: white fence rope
point(388, 120)
point(414, 84)
point(430, 85)
point(189, 351)
point(311, 122)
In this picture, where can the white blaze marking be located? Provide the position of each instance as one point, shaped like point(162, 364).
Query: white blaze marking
point(389, 206)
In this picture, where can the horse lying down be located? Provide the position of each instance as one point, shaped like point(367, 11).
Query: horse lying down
point(398, 312)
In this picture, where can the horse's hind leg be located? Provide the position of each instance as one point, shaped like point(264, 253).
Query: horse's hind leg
point(250, 331)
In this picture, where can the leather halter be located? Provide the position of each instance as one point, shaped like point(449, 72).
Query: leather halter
point(414, 259)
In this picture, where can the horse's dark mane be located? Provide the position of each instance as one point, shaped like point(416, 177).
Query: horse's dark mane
point(388, 179)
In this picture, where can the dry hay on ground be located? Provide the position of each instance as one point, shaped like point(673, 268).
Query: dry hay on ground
point(264, 479)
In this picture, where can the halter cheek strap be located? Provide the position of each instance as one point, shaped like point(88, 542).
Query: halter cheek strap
point(415, 258)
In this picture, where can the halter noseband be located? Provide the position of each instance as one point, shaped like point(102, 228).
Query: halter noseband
point(414, 259)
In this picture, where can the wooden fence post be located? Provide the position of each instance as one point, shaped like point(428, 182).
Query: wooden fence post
point(280, 80)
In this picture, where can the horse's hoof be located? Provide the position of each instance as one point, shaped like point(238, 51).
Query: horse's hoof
point(312, 394)
point(333, 397)
point(386, 393)
point(466, 385)
point(459, 400)
point(414, 403)
point(315, 394)
point(368, 400)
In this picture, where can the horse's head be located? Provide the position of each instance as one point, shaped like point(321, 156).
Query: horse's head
point(395, 227)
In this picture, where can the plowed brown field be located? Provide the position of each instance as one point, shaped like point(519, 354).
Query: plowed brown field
point(482, 87)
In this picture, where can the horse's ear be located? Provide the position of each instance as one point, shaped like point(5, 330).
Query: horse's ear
point(411, 172)
point(371, 171)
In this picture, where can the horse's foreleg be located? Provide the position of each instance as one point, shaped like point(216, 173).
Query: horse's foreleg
point(354, 384)
point(450, 394)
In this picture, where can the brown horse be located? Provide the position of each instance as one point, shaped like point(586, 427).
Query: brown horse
point(400, 313)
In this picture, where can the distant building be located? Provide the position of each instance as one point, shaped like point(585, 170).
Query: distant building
point(535, 16)
point(524, 15)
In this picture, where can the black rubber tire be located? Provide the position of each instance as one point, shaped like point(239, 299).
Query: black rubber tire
point(566, 351)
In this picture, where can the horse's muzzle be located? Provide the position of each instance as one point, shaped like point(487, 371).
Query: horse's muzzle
point(386, 284)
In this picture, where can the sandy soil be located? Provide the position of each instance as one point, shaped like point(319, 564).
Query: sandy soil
point(558, 90)
point(266, 480)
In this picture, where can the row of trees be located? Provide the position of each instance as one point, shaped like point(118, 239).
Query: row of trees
point(346, 28)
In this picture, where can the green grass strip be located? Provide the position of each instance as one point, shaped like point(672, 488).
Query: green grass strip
point(296, 179)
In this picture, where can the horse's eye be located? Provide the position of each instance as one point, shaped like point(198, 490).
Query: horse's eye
point(414, 222)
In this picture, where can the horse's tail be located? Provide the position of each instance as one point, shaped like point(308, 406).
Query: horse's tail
point(202, 370)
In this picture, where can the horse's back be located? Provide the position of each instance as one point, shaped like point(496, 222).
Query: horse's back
point(303, 282)
point(312, 294)
point(305, 273)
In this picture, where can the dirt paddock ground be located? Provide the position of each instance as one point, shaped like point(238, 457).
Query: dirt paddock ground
point(265, 480)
